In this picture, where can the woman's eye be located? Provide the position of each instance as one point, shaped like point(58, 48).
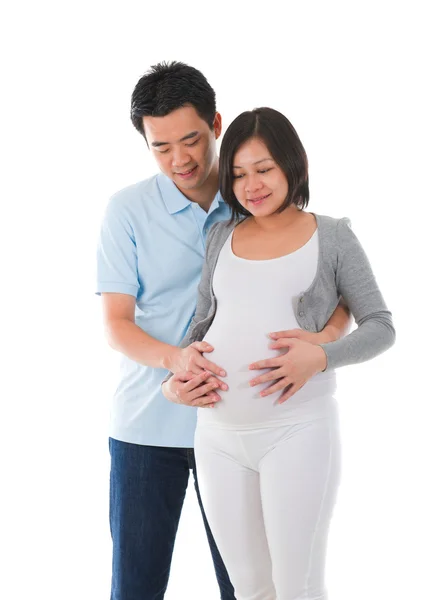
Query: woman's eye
point(237, 176)
point(265, 171)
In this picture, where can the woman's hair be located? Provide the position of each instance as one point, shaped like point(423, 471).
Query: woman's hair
point(169, 86)
point(284, 145)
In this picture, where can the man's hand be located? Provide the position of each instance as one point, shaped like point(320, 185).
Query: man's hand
point(290, 371)
point(192, 390)
point(192, 359)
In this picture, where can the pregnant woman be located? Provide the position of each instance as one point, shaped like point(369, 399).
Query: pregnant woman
point(268, 456)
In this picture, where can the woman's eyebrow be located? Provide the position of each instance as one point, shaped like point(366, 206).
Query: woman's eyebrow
point(256, 163)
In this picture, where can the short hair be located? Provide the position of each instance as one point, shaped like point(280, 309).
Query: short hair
point(284, 145)
point(169, 86)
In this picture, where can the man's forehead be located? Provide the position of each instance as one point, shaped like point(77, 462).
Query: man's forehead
point(175, 125)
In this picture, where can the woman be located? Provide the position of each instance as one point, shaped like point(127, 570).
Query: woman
point(269, 469)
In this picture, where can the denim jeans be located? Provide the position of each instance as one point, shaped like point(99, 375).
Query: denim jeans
point(147, 490)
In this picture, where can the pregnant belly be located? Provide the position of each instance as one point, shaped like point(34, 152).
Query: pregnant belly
point(242, 404)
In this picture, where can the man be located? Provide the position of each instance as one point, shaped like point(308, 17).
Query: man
point(150, 258)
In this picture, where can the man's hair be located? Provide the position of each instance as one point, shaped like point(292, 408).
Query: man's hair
point(284, 145)
point(169, 86)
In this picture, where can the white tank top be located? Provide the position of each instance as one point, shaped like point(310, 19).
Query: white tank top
point(254, 298)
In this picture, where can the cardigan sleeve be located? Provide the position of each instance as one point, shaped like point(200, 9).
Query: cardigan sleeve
point(204, 300)
point(357, 285)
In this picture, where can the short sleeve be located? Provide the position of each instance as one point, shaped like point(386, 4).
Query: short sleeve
point(117, 253)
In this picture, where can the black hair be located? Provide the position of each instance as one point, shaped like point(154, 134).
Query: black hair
point(169, 86)
point(284, 145)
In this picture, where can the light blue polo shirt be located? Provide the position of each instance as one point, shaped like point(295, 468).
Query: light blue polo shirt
point(151, 246)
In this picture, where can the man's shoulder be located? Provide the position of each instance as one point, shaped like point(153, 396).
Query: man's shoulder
point(135, 193)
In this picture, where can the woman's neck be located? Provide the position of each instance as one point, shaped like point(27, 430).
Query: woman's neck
point(288, 218)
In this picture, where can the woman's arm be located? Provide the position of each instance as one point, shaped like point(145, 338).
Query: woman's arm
point(375, 333)
point(203, 303)
point(202, 309)
point(357, 285)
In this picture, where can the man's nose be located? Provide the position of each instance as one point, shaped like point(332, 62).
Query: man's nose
point(180, 157)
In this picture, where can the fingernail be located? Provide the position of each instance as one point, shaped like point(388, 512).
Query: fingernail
point(224, 387)
point(223, 373)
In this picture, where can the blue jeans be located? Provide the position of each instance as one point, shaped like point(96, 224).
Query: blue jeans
point(147, 490)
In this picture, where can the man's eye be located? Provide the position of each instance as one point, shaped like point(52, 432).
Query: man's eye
point(193, 143)
point(163, 151)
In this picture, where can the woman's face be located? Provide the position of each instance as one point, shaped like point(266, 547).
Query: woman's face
point(259, 185)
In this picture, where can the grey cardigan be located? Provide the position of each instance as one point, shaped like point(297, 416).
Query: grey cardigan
point(343, 270)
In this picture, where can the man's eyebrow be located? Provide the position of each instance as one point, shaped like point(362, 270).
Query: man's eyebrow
point(189, 136)
point(256, 163)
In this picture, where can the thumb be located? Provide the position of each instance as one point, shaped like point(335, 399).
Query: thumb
point(202, 347)
point(282, 343)
point(289, 333)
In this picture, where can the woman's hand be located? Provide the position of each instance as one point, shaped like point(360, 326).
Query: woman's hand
point(192, 389)
point(291, 370)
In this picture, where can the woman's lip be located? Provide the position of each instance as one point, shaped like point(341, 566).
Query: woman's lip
point(259, 199)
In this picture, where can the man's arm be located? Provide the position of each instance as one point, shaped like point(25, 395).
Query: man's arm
point(126, 337)
point(339, 323)
point(336, 327)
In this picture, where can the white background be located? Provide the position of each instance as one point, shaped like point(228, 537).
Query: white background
point(358, 82)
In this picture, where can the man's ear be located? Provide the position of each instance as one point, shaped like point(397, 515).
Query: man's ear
point(217, 125)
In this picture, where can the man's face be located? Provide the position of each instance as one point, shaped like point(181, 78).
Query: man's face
point(184, 146)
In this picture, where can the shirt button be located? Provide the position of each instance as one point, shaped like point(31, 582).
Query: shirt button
point(301, 314)
point(302, 298)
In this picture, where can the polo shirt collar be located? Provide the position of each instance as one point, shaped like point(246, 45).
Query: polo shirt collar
point(173, 199)
point(217, 201)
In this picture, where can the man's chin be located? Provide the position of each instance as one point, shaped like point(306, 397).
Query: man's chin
point(190, 184)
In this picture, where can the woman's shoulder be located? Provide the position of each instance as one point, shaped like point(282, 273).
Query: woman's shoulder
point(217, 235)
point(333, 229)
point(331, 223)
point(219, 230)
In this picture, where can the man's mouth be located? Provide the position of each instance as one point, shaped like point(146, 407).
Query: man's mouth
point(187, 174)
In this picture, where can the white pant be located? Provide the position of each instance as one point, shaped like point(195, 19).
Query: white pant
point(268, 493)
